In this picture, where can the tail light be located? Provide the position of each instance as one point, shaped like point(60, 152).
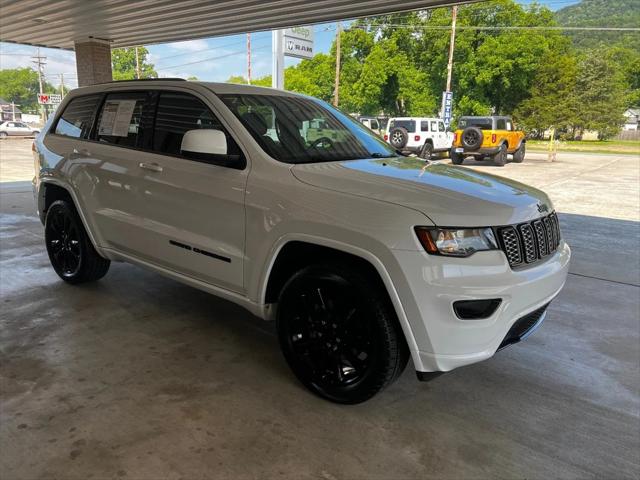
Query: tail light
point(417, 138)
point(386, 137)
point(455, 137)
point(493, 138)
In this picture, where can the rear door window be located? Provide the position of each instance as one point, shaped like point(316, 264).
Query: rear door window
point(77, 118)
point(424, 126)
point(501, 124)
point(121, 119)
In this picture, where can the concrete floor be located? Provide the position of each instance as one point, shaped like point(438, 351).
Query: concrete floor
point(137, 376)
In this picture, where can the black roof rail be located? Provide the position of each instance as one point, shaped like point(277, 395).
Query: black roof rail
point(149, 80)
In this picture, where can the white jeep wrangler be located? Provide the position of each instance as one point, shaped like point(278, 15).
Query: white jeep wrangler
point(423, 136)
point(364, 258)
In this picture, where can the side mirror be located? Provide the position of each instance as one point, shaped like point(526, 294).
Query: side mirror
point(204, 141)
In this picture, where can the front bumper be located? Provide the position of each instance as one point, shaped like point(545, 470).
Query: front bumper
point(444, 341)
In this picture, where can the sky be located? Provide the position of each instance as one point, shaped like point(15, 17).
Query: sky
point(210, 59)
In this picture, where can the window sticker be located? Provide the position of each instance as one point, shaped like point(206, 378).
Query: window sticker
point(116, 118)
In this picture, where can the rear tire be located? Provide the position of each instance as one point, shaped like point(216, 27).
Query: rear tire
point(456, 158)
point(500, 158)
point(70, 250)
point(339, 333)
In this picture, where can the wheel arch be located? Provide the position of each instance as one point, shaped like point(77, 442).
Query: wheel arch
point(294, 253)
point(49, 191)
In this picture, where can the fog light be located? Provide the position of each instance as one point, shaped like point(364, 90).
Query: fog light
point(476, 309)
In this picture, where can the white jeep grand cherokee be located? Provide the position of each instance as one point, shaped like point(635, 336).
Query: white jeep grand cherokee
point(364, 258)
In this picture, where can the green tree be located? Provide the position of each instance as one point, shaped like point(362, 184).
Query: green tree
point(601, 95)
point(20, 85)
point(123, 63)
point(553, 100)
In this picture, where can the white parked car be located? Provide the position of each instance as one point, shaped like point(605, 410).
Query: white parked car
point(363, 257)
point(420, 135)
point(12, 128)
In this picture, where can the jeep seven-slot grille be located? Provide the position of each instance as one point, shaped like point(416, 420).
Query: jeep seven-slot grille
point(528, 243)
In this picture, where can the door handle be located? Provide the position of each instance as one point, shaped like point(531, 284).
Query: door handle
point(154, 167)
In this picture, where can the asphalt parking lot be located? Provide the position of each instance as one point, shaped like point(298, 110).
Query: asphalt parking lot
point(137, 376)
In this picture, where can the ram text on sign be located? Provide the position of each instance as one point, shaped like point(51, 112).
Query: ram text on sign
point(298, 42)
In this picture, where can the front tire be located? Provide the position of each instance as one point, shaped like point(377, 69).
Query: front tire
point(427, 151)
point(518, 156)
point(339, 333)
point(70, 250)
point(500, 158)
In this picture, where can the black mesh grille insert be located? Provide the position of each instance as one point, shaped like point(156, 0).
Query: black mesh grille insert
point(530, 242)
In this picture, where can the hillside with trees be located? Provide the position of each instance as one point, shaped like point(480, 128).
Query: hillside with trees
point(602, 13)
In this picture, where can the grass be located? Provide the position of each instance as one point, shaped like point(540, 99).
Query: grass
point(595, 146)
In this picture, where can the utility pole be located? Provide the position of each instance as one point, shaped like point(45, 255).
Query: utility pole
point(249, 58)
point(454, 16)
point(39, 60)
point(336, 93)
point(137, 65)
point(13, 110)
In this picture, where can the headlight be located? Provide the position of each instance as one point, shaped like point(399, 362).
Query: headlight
point(455, 242)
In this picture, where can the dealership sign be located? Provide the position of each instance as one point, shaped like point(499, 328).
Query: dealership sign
point(49, 99)
point(447, 107)
point(298, 42)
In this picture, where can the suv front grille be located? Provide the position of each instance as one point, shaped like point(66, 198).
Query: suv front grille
point(528, 243)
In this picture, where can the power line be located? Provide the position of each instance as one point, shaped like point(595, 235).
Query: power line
point(211, 58)
point(493, 27)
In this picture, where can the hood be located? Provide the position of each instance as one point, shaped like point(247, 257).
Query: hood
point(450, 196)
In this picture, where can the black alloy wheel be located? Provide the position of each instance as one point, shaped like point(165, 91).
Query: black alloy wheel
point(338, 334)
point(70, 251)
point(471, 138)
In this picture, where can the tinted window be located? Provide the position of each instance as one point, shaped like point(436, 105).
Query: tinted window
point(484, 123)
point(178, 113)
point(501, 124)
point(408, 125)
point(21, 125)
point(77, 118)
point(375, 125)
point(120, 121)
point(424, 126)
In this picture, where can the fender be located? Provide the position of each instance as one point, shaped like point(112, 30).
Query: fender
point(59, 183)
point(267, 312)
point(522, 140)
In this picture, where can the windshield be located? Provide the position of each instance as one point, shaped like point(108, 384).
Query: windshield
point(483, 123)
point(304, 130)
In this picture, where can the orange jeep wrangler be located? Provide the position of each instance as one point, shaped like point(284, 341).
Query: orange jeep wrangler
point(482, 137)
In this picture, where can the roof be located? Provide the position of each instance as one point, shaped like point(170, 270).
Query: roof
point(143, 22)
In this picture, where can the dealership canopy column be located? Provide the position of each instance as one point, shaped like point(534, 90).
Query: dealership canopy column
point(93, 62)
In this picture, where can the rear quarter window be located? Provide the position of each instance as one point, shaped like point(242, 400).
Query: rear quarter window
point(77, 118)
